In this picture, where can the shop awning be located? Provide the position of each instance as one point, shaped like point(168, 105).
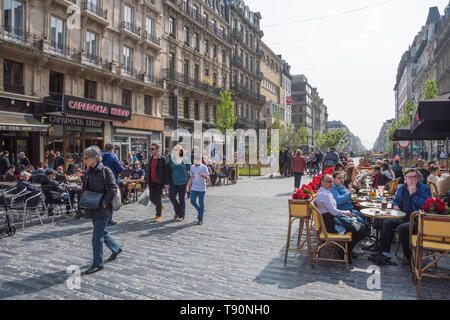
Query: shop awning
point(20, 122)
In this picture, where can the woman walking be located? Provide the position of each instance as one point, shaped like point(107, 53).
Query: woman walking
point(298, 167)
point(178, 182)
point(94, 181)
point(197, 186)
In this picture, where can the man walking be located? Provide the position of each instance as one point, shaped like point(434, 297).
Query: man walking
point(331, 158)
point(158, 177)
point(23, 160)
point(4, 162)
point(110, 160)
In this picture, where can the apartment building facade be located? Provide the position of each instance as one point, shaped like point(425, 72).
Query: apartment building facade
point(271, 85)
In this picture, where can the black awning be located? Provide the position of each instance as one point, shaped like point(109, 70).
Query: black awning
point(435, 131)
point(433, 118)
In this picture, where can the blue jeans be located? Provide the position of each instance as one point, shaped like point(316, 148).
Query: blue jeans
point(297, 179)
point(180, 204)
point(99, 236)
point(201, 206)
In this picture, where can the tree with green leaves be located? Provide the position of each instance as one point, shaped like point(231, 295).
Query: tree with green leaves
point(225, 117)
point(430, 91)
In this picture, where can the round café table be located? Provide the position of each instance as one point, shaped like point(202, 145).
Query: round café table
point(370, 204)
point(378, 214)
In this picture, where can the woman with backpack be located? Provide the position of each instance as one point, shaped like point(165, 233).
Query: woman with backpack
point(100, 182)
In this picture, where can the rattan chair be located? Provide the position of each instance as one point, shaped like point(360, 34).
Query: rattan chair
point(392, 187)
point(434, 189)
point(325, 239)
point(301, 211)
point(433, 238)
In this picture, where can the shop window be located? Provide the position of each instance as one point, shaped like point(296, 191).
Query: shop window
point(56, 85)
point(186, 108)
point(13, 76)
point(148, 105)
point(90, 89)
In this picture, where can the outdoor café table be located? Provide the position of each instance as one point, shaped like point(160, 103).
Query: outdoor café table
point(370, 204)
point(364, 191)
point(378, 215)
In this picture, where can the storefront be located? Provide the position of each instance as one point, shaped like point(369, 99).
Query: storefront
point(134, 137)
point(77, 123)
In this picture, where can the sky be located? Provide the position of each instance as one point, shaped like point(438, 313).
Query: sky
point(348, 49)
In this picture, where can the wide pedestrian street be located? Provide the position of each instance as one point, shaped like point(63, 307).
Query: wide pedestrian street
point(238, 253)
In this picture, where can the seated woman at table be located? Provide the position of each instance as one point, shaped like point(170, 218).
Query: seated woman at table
point(386, 167)
point(435, 175)
point(23, 182)
point(343, 196)
point(350, 179)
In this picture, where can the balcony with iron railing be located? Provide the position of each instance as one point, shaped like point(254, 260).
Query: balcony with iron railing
point(238, 35)
point(13, 88)
point(246, 91)
point(131, 29)
point(60, 49)
point(151, 38)
point(237, 60)
point(150, 79)
point(97, 62)
point(96, 12)
point(19, 36)
point(171, 75)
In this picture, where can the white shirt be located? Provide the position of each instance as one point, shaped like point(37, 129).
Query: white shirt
point(325, 203)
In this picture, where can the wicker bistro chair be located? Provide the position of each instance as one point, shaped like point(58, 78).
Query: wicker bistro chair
point(324, 238)
point(434, 189)
point(433, 237)
point(301, 210)
point(392, 187)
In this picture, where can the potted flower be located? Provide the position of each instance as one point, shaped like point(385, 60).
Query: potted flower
point(443, 166)
point(436, 206)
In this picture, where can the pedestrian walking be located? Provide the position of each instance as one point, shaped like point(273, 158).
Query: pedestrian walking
point(158, 177)
point(4, 162)
point(110, 160)
point(271, 162)
point(197, 186)
point(59, 161)
point(94, 181)
point(299, 166)
point(51, 160)
point(178, 182)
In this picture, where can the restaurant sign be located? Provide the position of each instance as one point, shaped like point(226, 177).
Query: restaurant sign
point(97, 109)
point(75, 121)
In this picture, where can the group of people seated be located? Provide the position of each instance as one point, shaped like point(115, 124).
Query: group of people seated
point(334, 202)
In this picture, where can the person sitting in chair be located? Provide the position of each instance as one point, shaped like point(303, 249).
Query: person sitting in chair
point(23, 182)
point(410, 197)
point(48, 185)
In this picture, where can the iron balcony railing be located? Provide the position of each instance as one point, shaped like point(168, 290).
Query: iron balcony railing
point(237, 60)
point(18, 35)
point(14, 88)
point(150, 37)
point(149, 78)
point(92, 7)
point(131, 27)
point(63, 50)
point(98, 61)
point(238, 34)
point(171, 75)
point(256, 96)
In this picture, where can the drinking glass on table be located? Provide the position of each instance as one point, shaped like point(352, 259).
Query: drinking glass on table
point(381, 189)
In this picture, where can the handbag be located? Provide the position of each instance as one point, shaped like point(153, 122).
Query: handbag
point(115, 203)
point(144, 198)
point(91, 200)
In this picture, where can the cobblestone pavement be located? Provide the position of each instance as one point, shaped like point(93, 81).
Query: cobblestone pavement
point(237, 253)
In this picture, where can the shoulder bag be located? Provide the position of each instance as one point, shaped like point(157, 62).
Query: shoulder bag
point(115, 204)
point(90, 200)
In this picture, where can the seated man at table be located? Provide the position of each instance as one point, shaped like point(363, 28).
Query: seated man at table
point(24, 182)
point(410, 197)
point(327, 207)
point(10, 172)
point(379, 178)
point(48, 185)
point(137, 174)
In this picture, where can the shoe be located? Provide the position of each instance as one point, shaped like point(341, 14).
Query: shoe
point(357, 250)
point(175, 217)
point(93, 269)
point(180, 219)
point(67, 216)
point(406, 263)
point(113, 256)
point(157, 219)
point(200, 221)
point(111, 223)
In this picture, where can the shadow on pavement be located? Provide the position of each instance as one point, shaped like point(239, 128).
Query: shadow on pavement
point(57, 234)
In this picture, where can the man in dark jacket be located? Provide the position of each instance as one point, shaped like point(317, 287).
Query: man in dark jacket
point(111, 161)
point(4, 162)
point(398, 171)
point(158, 177)
point(48, 185)
point(23, 160)
point(331, 158)
point(379, 178)
point(59, 161)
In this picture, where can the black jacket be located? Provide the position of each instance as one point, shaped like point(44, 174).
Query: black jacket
point(48, 185)
point(94, 181)
point(4, 165)
point(162, 171)
point(24, 162)
point(59, 161)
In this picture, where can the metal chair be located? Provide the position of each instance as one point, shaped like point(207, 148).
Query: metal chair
point(54, 198)
point(27, 203)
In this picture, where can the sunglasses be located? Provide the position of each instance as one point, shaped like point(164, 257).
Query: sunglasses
point(153, 149)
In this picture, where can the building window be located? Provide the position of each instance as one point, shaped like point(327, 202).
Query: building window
point(215, 113)
point(186, 70)
point(196, 110)
point(147, 105)
point(206, 113)
point(13, 76)
point(171, 63)
point(126, 98)
point(186, 36)
point(56, 84)
point(172, 27)
point(127, 62)
point(252, 112)
point(196, 72)
point(224, 57)
point(215, 80)
point(196, 42)
point(195, 12)
point(91, 47)
point(246, 111)
point(57, 35)
point(214, 48)
point(128, 15)
point(186, 108)
point(13, 16)
point(90, 89)
point(206, 47)
point(149, 26)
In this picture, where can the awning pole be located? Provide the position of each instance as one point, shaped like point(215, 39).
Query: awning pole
point(446, 151)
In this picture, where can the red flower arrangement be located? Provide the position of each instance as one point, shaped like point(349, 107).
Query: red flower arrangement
point(306, 192)
point(436, 206)
point(443, 166)
point(367, 166)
